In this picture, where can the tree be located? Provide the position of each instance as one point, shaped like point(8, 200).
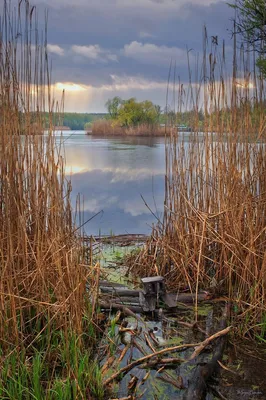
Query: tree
point(130, 113)
point(251, 25)
point(133, 113)
point(113, 105)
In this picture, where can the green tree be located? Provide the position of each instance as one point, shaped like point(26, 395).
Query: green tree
point(133, 113)
point(251, 25)
point(113, 106)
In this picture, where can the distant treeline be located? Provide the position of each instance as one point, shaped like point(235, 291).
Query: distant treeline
point(75, 121)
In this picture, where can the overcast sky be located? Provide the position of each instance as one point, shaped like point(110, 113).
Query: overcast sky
point(103, 48)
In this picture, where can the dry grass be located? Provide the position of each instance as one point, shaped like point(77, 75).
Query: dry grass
point(111, 128)
point(43, 274)
point(46, 329)
point(213, 233)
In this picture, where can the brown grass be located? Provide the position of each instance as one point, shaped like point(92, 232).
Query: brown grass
point(111, 128)
point(213, 232)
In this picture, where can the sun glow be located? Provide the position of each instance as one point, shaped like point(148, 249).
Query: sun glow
point(69, 87)
point(74, 169)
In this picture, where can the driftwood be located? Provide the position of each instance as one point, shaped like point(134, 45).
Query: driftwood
point(168, 379)
point(137, 302)
point(119, 292)
point(105, 305)
point(113, 285)
point(134, 301)
point(197, 388)
point(159, 362)
point(186, 298)
point(200, 346)
point(119, 374)
point(207, 341)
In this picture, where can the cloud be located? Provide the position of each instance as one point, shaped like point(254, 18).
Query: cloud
point(55, 49)
point(149, 53)
point(94, 53)
point(124, 83)
point(143, 35)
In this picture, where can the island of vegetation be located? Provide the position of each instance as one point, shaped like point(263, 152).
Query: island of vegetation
point(129, 117)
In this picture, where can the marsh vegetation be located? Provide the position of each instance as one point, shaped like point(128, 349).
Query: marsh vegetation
point(211, 237)
point(47, 334)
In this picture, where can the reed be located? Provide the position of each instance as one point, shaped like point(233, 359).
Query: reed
point(213, 232)
point(45, 315)
point(111, 128)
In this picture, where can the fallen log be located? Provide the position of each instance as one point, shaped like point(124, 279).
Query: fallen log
point(124, 299)
point(159, 362)
point(197, 388)
point(207, 341)
point(105, 305)
point(119, 292)
point(172, 299)
point(113, 285)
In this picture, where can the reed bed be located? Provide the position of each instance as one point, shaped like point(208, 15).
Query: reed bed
point(46, 320)
point(213, 232)
point(112, 128)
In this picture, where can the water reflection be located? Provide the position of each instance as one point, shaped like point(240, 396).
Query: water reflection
point(112, 174)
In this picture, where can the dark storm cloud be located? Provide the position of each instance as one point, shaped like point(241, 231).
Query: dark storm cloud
point(91, 41)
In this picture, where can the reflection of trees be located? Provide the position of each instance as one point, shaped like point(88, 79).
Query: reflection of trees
point(141, 141)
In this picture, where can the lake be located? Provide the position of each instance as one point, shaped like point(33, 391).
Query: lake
point(113, 175)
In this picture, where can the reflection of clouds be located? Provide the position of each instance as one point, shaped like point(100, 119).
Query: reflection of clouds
point(118, 174)
point(127, 175)
point(111, 175)
point(120, 200)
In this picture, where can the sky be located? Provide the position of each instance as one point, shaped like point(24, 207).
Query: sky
point(103, 48)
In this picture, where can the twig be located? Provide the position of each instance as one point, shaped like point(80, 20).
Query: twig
point(227, 369)
point(207, 341)
point(162, 362)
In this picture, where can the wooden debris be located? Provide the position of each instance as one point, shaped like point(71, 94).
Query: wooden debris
point(118, 292)
point(149, 343)
point(206, 342)
point(159, 362)
point(132, 384)
point(202, 373)
point(168, 379)
point(130, 312)
point(119, 374)
point(199, 347)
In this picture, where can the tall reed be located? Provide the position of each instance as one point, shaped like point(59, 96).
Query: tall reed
point(214, 228)
point(44, 309)
point(109, 127)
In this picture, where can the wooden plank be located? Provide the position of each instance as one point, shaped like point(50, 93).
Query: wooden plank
point(120, 292)
point(152, 279)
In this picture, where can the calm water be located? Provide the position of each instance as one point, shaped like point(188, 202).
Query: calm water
point(112, 174)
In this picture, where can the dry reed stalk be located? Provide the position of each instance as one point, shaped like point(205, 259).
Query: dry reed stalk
point(43, 275)
point(109, 128)
point(213, 233)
